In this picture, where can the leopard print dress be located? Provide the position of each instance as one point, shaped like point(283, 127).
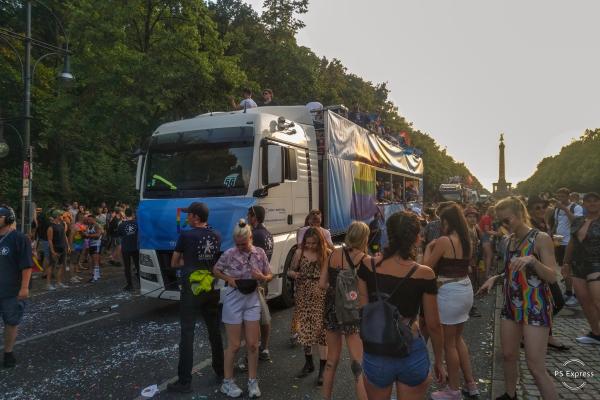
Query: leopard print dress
point(310, 304)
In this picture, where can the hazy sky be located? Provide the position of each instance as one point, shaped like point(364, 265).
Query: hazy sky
point(466, 70)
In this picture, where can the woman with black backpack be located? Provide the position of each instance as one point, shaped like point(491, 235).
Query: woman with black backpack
point(342, 318)
point(391, 290)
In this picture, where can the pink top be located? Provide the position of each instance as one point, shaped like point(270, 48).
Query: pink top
point(239, 264)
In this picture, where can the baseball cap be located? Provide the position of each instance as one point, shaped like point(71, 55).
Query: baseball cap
point(197, 208)
point(56, 213)
point(258, 212)
point(589, 195)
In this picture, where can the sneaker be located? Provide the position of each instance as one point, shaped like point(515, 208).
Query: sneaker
point(264, 355)
point(75, 279)
point(571, 301)
point(447, 394)
point(93, 280)
point(590, 338)
point(230, 389)
point(50, 287)
point(10, 361)
point(61, 285)
point(253, 390)
point(470, 389)
point(242, 363)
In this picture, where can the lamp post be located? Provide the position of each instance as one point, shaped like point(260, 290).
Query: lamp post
point(27, 75)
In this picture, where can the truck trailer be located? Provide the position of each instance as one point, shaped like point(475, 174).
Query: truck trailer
point(286, 159)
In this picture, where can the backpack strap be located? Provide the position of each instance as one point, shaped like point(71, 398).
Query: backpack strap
point(405, 278)
point(349, 259)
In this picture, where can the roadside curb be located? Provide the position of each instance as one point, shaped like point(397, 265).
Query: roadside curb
point(497, 368)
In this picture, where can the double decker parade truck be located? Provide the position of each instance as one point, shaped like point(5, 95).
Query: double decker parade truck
point(287, 159)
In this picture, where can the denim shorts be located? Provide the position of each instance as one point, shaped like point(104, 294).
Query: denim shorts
point(12, 310)
point(412, 370)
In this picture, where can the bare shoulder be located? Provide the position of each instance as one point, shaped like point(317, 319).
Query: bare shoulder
point(424, 272)
point(543, 239)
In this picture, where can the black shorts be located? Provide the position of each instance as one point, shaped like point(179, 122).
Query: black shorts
point(582, 270)
point(59, 259)
point(95, 249)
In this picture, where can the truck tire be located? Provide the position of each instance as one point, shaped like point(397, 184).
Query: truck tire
point(286, 300)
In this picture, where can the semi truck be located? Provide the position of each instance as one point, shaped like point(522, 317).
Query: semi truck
point(459, 193)
point(287, 159)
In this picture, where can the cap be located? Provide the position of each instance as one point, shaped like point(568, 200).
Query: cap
point(589, 195)
point(56, 213)
point(258, 212)
point(533, 200)
point(197, 208)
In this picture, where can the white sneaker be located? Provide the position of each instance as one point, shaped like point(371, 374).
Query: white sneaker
point(571, 301)
point(61, 285)
point(253, 390)
point(50, 287)
point(230, 389)
point(590, 338)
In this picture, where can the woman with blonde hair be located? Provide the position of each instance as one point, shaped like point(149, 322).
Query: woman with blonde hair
point(529, 268)
point(349, 257)
point(310, 298)
point(241, 267)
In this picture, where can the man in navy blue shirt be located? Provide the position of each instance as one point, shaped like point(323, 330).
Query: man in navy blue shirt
point(197, 250)
point(15, 273)
point(128, 232)
point(262, 238)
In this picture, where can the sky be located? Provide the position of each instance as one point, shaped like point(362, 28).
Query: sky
point(466, 70)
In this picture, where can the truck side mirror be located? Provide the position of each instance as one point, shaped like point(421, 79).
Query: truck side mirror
point(138, 172)
point(273, 165)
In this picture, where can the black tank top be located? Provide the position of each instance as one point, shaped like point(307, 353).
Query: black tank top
point(58, 235)
point(453, 267)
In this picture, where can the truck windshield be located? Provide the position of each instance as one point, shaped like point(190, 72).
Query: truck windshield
point(202, 163)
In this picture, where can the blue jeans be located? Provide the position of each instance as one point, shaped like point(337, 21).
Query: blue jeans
point(412, 370)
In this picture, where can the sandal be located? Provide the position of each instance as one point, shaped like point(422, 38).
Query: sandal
point(558, 347)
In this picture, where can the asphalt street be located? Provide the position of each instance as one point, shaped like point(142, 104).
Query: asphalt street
point(94, 341)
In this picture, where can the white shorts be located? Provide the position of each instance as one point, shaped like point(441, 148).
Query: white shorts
point(239, 307)
point(455, 300)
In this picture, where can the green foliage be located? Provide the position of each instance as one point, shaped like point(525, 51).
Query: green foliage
point(141, 63)
point(577, 167)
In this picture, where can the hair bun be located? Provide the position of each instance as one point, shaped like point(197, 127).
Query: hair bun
point(242, 223)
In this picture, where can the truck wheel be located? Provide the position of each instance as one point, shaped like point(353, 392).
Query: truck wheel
point(286, 300)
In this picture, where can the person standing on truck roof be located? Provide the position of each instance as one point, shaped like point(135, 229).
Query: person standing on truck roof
point(314, 221)
point(267, 95)
point(196, 252)
point(246, 102)
point(261, 237)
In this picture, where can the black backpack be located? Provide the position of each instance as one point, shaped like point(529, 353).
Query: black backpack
point(383, 330)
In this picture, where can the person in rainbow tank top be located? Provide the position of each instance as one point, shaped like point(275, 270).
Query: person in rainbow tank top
point(529, 268)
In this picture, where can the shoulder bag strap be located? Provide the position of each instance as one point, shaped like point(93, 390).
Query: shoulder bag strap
point(405, 278)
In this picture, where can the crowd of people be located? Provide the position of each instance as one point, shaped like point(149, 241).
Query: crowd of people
point(368, 120)
point(387, 301)
point(70, 240)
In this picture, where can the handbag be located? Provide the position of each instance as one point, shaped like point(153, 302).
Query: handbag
point(558, 300)
point(246, 286)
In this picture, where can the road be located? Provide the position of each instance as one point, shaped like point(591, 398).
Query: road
point(73, 345)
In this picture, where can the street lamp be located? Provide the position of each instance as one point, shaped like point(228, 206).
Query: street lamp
point(27, 75)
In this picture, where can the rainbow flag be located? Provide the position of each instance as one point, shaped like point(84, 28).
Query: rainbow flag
point(364, 192)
